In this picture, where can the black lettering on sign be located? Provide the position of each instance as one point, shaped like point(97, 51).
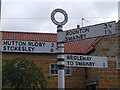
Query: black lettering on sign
point(31, 48)
point(82, 30)
point(78, 63)
point(73, 57)
point(4, 48)
point(43, 44)
point(8, 48)
point(36, 44)
point(85, 63)
point(51, 50)
point(105, 24)
point(75, 37)
point(107, 27)
point(52, 47)
point(6, 43)
point(103, 64)
point(18, 48)
point(72, 32)
point(52, 44)
point(70, 63)
point(14, 42)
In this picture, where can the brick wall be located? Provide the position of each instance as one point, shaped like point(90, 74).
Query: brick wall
point(108, 77)
point(76, 80)
point(119, 46)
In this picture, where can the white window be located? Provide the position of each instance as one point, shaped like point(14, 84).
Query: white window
point(54, 70)
point(118, 62)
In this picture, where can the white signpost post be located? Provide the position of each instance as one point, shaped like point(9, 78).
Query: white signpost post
point(60, 47)
point(85, 61)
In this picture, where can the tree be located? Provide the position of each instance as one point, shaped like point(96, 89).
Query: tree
point(20, 73)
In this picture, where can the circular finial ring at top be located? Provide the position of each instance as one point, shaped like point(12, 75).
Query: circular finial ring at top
point(55, 21)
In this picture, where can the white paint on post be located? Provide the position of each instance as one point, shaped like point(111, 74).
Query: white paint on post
point(60, 59)
point(60, 37)
point(60, 46)
point(61, 80)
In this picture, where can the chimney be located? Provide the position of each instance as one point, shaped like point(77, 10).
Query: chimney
point(78, 26)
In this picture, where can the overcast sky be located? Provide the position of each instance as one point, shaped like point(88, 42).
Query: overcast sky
point(34, 15)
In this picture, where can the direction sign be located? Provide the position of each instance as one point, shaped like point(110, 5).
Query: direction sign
point(89, 31)
point(28, 46)
point(85, 61)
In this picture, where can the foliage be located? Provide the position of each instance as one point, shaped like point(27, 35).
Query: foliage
point(20, 73)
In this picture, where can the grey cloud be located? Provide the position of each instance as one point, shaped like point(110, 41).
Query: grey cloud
point(35, 16)
point(106, 8)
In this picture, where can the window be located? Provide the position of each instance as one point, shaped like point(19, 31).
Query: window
point(92, 87)
point(118, 62)
point(54, 70)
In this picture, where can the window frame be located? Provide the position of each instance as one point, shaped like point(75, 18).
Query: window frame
point(70, 74)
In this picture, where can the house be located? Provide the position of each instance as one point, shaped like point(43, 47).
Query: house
point(15, 45)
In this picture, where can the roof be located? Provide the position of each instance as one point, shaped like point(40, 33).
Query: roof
point(81, 47)
point(30, 36)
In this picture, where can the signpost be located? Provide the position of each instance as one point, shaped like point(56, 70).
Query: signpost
point(28, 46)
point(89, 32)
point(75, 35)
point(85, 61)
point(60, 47)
